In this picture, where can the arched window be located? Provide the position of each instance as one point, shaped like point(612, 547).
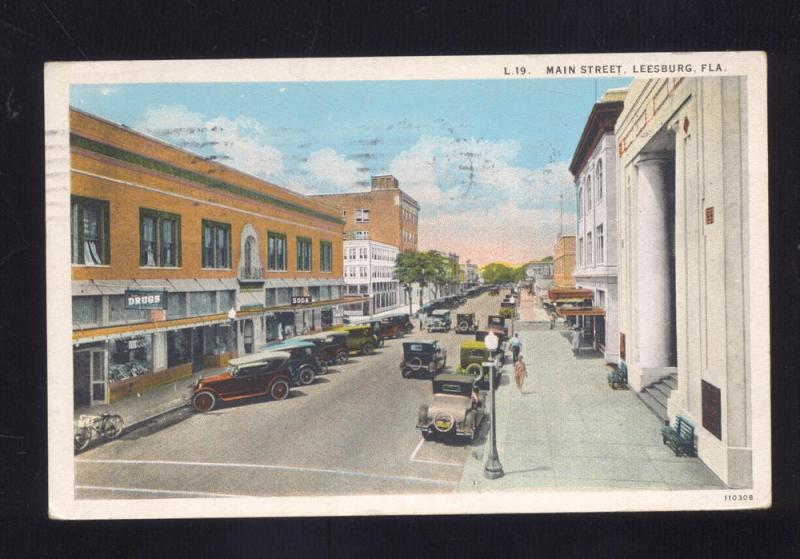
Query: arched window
point(580, 197)
point(588, 192)
point(249, 255)
point(599, 180)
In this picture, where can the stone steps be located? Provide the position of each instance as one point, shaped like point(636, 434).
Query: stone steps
point(655, 396)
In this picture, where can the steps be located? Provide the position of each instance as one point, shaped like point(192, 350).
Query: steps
point(655, 396)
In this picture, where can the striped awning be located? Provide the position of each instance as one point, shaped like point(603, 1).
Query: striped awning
point(580, 311)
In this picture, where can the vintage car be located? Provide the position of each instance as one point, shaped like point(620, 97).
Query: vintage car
point(422, 356)
point(507, 310)
point(472, 358)
point(453, 412)
point(500, 353)
point(258, 374)
point(360, 338)
point(330, 348)
point(404, 320)
point(439, 320)
point(466, 323)
point(494, 291)
point(302, 360)
point(497, 323)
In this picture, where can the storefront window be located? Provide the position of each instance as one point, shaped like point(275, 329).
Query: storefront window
point(271, 299)
point(176, 305)
point(283, 295)
point(120, 314)
point(227, 300)
point(324, 293)
point(130, 357)
point(221, 336)
point(314, 292)
point(86, 311)
point(179, 347)
point(203, 303)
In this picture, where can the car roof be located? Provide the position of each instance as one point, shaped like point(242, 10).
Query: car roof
point(348, 327)
point(451, 377)
point(256, 357)
point(440, 311)
point(425, 341)
point(286, 344)
point(472, 344)
point(318, 336)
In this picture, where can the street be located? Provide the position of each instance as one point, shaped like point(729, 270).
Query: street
point(352, 432)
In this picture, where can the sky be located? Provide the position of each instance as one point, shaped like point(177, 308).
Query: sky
point(487, 160)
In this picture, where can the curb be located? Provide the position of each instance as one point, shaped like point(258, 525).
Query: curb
point(129, 428)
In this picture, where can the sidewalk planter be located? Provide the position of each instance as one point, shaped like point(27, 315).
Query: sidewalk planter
point(143, 383)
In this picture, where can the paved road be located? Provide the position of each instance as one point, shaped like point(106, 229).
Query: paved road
point(351, 432)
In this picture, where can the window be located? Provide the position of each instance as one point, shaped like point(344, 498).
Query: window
point(362, 253)
point(362, 216)
point(227, 300)
point(362, 271)
point(580, 252)
point(159, 238)
point(89, 231)
point(276, 252)
point(283, 295)
point(86, 311)
point(118, 313)
point(176, 305)
point(588, 193)
point(600, 242)
point(599, 180)
point(303, 254)
point(271, 302)
point(203, 303)
point(216, 245)
point(580, 208)
point(325, 256)
point(588, 248)
point(362, 235)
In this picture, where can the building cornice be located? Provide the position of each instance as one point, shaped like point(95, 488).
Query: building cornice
point(601, 121)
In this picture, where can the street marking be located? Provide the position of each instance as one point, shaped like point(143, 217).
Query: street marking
point(160, 491)
point(269, 467)
point(415, 459)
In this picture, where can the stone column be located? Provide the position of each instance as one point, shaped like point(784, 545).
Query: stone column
point(654, 263)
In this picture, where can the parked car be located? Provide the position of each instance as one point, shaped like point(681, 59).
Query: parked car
point(472, 356)
point(302, 361)
point(422, 355)
point(386, 329)
point(500, 353)
point(330, 348)
point(258, 374)
point(360, 338)
point(404, 320)
point(466, 323)
point(452, 412)
point(439, 320)
point(494, 291)
point(497, 323)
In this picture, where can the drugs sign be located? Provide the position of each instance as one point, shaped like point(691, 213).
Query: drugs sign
point(137, 299)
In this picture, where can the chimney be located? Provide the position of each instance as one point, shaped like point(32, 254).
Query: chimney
point(385, 182)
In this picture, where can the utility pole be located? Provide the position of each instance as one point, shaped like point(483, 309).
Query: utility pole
point(561, 216)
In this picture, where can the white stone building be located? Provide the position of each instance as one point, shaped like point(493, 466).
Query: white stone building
point(683, 260)
point(369, 270)
point(594, 168)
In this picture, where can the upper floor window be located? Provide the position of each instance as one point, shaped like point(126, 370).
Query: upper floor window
point(216, 245)
point(325, 256)
point(159, 234)
point(303, 254)
point(362, 216)
point(89, 231)
point(589, 249)
point(600, 244)
point(588, 193)
point(362, 235)
point(276, 252)
point(580, 198)
point(599, 180)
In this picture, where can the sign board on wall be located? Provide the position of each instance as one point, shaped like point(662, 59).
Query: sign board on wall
point(145, 299)
point(301, 299)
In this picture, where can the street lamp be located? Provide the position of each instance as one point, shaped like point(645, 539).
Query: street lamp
point(231, 328)
point(493, 468)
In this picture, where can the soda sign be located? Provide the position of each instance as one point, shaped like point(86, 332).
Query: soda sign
point(301, 299)
point(137, 299)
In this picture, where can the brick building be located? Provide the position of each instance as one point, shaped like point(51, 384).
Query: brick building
point(564, 262)
point(198, 239)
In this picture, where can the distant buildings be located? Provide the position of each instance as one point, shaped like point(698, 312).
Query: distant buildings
point(564, 262)
point(594, 166)
point(683, 251)
point(379, 223)
point(471, 274)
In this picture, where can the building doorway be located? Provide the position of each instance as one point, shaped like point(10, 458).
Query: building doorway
point(247, 331)
point(197, 349)
point(90, 377)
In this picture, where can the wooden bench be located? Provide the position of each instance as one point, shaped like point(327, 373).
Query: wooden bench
point(618, 378)
point(680, 437)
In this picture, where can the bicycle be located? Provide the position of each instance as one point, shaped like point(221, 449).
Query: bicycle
point(106, 425)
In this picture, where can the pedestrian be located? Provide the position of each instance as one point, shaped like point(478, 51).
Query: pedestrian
point(516, 345)
point(552, 321)
point(576, 340)
point(520, 373)
point(421, 320)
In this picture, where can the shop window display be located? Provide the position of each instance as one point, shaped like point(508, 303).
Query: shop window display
point(130, 357)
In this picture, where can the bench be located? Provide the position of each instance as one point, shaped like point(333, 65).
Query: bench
point(618, 378)
point(680, 437)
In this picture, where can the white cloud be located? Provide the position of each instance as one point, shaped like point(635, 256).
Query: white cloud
point(333, 169)
point(243, 141)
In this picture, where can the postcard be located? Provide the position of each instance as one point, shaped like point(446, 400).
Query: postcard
point(428, 285)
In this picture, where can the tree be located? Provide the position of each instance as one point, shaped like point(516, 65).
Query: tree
point(497, 272)
point(409, 270)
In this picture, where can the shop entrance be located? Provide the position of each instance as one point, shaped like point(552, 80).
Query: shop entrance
point(197, 349)
point(90, 377)
point(247, 328)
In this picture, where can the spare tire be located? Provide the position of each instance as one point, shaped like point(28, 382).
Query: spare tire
point(476, 370)
point(415, 363)
point(463, 326)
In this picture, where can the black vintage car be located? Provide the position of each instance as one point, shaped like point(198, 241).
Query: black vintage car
point(404, 320)
point(466, 323)
point(302, 362)
point(497, 323)
point(422, 356)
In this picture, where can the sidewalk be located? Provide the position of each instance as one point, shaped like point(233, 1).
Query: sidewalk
point(158, 401)
point(569, 430)
point(529, 311)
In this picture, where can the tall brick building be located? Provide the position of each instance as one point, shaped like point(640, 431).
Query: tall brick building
point(379, 223)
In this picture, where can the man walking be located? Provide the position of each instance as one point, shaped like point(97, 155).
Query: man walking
point(516, 345)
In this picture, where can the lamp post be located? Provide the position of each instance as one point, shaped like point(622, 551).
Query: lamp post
point(493, 468)
point(231, 328)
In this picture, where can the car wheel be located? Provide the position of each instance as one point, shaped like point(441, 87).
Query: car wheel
point(342, 356)
point(112, 428)
point(306, 376)
point(427, 435)
point(82, 438)
point(476, 370)
point(367, 349)
point(204, 401)
point(279, 389)
point(463, 326)
point(406, 372)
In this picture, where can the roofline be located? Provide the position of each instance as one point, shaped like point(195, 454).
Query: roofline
point(601, 115)
point(148, 137)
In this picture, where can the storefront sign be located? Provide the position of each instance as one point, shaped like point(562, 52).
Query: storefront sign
point(301, 299)
point(140, 299)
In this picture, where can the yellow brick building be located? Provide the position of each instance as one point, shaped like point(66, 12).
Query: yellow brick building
point(150, 219)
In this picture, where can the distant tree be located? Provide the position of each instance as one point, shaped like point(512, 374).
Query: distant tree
point(547, 259)
point(497, 272)
point(409, 269)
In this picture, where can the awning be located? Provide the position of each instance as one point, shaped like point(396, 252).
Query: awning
point(247, 299)
point(302, 282)
point(559, 293)
point(580, 311)
point(154, 284)
point(211, 284)
point(186, 285)
point(565, 301)
point(85, 287)
point(277, 282)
